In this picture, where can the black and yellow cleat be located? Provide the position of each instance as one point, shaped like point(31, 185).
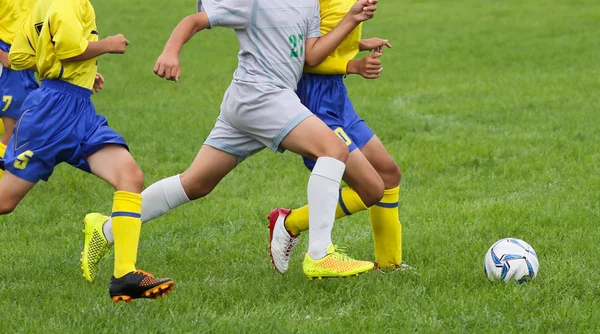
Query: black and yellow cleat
point(139, 284)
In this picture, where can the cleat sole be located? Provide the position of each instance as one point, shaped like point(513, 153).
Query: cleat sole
point(126, 299)
point(310, 278)
point(158, 291)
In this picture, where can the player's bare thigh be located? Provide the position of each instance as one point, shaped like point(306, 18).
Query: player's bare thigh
point(313, 139)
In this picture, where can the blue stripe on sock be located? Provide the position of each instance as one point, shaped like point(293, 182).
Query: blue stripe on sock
point(342, 205)
point(387, 205)
point(126, 214)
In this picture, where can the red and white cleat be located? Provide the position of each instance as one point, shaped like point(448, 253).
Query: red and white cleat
point(281, 240)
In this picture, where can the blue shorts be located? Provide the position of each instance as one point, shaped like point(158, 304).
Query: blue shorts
point(326, 97)
point(14, 88)
point(59, 124)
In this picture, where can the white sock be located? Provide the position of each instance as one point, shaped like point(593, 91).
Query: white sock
point(157, 200)
point(323, 194)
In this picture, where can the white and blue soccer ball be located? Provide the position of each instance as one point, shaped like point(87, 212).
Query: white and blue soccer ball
point(511, 259)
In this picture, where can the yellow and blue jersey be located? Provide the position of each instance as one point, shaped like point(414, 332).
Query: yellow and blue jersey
point(57, 30)
point(332, 12)
point(12, 14)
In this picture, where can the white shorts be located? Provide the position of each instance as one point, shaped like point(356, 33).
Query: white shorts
point(255, 116)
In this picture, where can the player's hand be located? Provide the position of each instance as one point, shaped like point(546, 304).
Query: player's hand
point(368, 67)
point(98, 83)
point(4, 59)
point(168, 67)
point(374, 44)
point(363, 10)
point(117, 43)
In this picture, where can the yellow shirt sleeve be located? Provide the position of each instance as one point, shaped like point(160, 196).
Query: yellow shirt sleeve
point(66, 28)
point(22, 54)
point(330, 65)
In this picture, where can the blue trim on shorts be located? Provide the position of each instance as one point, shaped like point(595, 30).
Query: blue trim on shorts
point(126, 214)
point(67, 87)
point(287, 129)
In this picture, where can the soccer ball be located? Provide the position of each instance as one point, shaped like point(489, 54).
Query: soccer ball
point(510, 259)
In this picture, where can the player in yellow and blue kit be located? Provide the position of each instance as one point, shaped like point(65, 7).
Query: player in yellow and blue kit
point(59, 124)
point(14, 85)
point(371, 173)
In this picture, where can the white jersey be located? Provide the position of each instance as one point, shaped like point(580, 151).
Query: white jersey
point(271, 33)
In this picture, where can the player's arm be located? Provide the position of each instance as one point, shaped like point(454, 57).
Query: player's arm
point(66, 26)
point(98, 83)
point(330, 65)
point(368, 67)
point(373, 44)
point(167, 66)
point(317, 49)
point(4, 61)
point(22, 54)
point(111, 44)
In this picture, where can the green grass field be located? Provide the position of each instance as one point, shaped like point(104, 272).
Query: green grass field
point(490, 108)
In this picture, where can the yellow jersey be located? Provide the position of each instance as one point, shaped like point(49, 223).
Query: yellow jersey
point(54, 31)
point(12, 14)
point(332, 12)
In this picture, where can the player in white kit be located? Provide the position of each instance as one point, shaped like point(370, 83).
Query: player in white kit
point(259, 109)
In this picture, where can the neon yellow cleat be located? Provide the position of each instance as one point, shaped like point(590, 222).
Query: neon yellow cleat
point(95, 245)
point(334, 265)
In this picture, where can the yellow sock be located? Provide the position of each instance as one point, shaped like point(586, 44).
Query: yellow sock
point(2, 151)
point(126, 224)
point(1, 128)
point(349, 203)
point(387, 230)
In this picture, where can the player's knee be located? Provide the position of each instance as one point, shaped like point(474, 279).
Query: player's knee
point(137, 178)
point(196, 191)
point(7, 206)
point(131, 179)
point(391, 175)
point(195, 187)
point(338, 151)
point(372, 192)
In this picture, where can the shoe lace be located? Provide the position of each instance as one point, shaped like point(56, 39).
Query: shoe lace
point(141, 272)
point(292, 242)
point(340, 253)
